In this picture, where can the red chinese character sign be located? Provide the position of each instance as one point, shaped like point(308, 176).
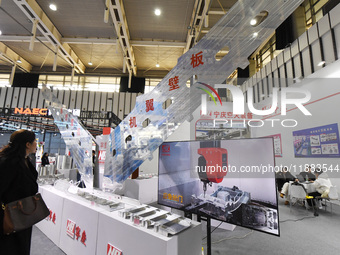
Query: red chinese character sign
point(173, 83)
point(149, 105)
point(197, 59)
point(132, 122)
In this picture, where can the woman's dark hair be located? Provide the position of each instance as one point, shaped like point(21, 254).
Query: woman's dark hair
point(45, 154)
point(17, 144)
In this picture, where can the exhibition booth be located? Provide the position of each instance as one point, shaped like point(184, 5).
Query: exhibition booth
point(199, 159)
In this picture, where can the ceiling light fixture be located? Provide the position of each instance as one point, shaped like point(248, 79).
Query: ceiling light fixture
point(253, 22)
point(255, 34)
point(158, 12)
point(322, 63)
point(19, 61)
point(53, 7)
point(90, 63)
point(157, 65)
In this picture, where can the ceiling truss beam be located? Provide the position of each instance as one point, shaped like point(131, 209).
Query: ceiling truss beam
point(33, 11)
point(11, 57)
point(119, 20)
point(82, 40)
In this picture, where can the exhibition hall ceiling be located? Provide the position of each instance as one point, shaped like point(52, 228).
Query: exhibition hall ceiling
point(98, 37)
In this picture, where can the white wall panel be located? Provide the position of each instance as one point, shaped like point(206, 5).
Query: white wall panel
point(8, 97)
point(133, 100)
point(121, 105)
point(303, 41)
point(103, 100)
point(316, 53)
point(335, 15)
point(80, 96)
point(127, 104)
point(274, 64)
point(28, 97)
point(283, 82)
point(35, 96)
point(84, 105)
point(41, 100)
point(307, 68)
point(91, 101)
point(66, 99)
point(109, 102)
point(337, 39)
point(324, 25)
point(115, 103)
point(268, 68)
point(265, 87)
point(280, 60)
point(73, 99)
point(60, 95)
point(270, 84)
point(22, 95)
point(327, 45)
point(97, 99)
point(289, 69)
point(276, 79)
point(263, 72)
point(297, 66)
point(313, 34)
point(294, 50)
point(15, 98)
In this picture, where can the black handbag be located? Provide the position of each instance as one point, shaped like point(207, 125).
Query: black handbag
point(24, 213)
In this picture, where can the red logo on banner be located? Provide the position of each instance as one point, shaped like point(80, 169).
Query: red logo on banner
point(165, 150)
point(70, 228)
point(101, 156)
point(111, 250)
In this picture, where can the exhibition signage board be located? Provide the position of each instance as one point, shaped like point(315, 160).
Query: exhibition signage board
point(317, 142)
point(277, 144)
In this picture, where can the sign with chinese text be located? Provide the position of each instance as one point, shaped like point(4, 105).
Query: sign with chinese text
point(317, 142)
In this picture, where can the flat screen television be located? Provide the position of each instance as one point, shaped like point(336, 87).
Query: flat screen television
point(229, 180)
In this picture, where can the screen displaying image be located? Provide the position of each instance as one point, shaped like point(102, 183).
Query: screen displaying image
point(228, 180)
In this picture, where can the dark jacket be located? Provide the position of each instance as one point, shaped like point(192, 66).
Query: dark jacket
point(16, 181)
point(282, 178)
point(45, 161)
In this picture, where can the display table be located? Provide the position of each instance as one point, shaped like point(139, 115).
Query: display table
point(79, 226)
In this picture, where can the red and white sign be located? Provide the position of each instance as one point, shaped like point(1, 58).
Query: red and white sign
point(101, 156)
point(111, 250)
point(70, 228)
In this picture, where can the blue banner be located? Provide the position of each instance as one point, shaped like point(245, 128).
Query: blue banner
point(317, 142)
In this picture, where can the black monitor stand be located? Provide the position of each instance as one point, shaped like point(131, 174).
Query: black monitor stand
point(204, 217)
point(208, 220)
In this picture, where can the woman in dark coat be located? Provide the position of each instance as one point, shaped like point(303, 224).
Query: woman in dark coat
point(44, 160)
point(18, 179)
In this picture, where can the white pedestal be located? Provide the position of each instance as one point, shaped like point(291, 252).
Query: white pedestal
point(144, 190)
point(103, 227)
point(85, 217)
point(132, 240)
point(51, 226)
